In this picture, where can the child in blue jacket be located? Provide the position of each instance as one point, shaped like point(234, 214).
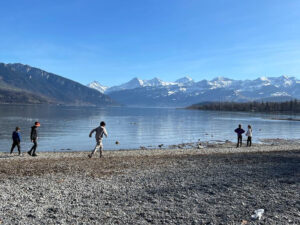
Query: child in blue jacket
point(16, 137)
point(239, 132)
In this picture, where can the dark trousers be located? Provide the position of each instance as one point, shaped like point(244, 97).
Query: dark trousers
point(239, 141)
point(249, 141)
point(14, 144)
point(34, 147)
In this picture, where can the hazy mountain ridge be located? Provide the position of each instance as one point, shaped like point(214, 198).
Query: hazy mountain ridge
point(44, 87)
point(186, 91)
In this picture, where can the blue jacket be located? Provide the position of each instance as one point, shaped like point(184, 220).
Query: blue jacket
point(16, 136)
point(239, 131)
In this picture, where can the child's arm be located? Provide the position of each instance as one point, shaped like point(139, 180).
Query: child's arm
point(19, 135)
point(31, 135)
point(92, 131)
point(105, 132)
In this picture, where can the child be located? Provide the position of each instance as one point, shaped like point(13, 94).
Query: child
point(16, 137)
point(249, 135)
point(239, 132)
point(34, 138)
point(100, 131)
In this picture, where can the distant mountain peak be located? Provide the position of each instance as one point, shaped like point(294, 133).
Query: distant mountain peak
point(99, 87)
point(263, 78)
point(220, 78)
point(285, 76)
point(184, 80)
point(153, 82)
point(136, 81)
point(135, 78)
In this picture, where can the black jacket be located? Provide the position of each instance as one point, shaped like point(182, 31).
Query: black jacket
point(34, 134)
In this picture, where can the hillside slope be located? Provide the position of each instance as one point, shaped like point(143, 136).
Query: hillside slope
point(38, 86)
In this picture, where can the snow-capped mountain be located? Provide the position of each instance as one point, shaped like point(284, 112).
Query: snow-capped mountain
point(137, 83)
point(99, 87)
point(185, 80)
point(186, 91)
point(134, 83)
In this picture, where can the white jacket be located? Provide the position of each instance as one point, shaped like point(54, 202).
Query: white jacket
point(249, 133)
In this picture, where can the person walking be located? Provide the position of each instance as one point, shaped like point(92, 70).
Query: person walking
point(249, 135)
point(100, 131)
point(239, 132)
point(16, 137)
point(34, 139)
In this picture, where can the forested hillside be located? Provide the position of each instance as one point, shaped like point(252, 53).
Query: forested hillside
point(292, 106)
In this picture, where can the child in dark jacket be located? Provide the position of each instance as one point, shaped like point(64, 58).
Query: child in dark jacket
point(239, 132)
point(16, 137)
point(34, 138)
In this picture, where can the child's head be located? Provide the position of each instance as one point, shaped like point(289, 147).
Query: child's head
point(240, 125)
point(37, 124)
point(249, 126)
point(102, 124)
point(18, 129)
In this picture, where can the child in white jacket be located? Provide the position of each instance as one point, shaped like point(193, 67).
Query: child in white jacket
point(249, 135)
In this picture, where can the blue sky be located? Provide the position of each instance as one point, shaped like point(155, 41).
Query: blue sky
point(115, 40)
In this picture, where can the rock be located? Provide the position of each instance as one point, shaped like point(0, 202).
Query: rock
point(258, 214)
point(244, 222)
point(30, 216)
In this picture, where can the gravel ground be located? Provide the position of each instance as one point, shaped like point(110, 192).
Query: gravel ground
point(205, 186)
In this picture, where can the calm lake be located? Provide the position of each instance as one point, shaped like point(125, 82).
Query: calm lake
point(68, 127)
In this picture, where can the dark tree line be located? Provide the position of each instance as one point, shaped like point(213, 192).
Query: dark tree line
point(288, 106)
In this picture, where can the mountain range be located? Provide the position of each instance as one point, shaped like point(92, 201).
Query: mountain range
point(25, 84)
point(186, 91)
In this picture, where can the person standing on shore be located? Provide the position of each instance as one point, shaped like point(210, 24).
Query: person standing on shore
point(249, 135)
point(239, 132)
point(16, 137)
point(100, 131)
point(34, 138)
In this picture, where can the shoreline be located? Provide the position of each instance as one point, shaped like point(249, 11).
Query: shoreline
point(265, 145)
point(205, 146)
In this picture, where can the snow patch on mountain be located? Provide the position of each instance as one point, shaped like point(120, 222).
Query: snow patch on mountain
point(97, 86)
point(276, 94)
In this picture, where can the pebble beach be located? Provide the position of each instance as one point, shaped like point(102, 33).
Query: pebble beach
point(220, 184)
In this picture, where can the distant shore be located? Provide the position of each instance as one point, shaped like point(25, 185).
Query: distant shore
point(217, 185)
point(290, 119)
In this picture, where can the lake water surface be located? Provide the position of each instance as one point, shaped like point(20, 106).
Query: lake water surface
point(68, 127)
